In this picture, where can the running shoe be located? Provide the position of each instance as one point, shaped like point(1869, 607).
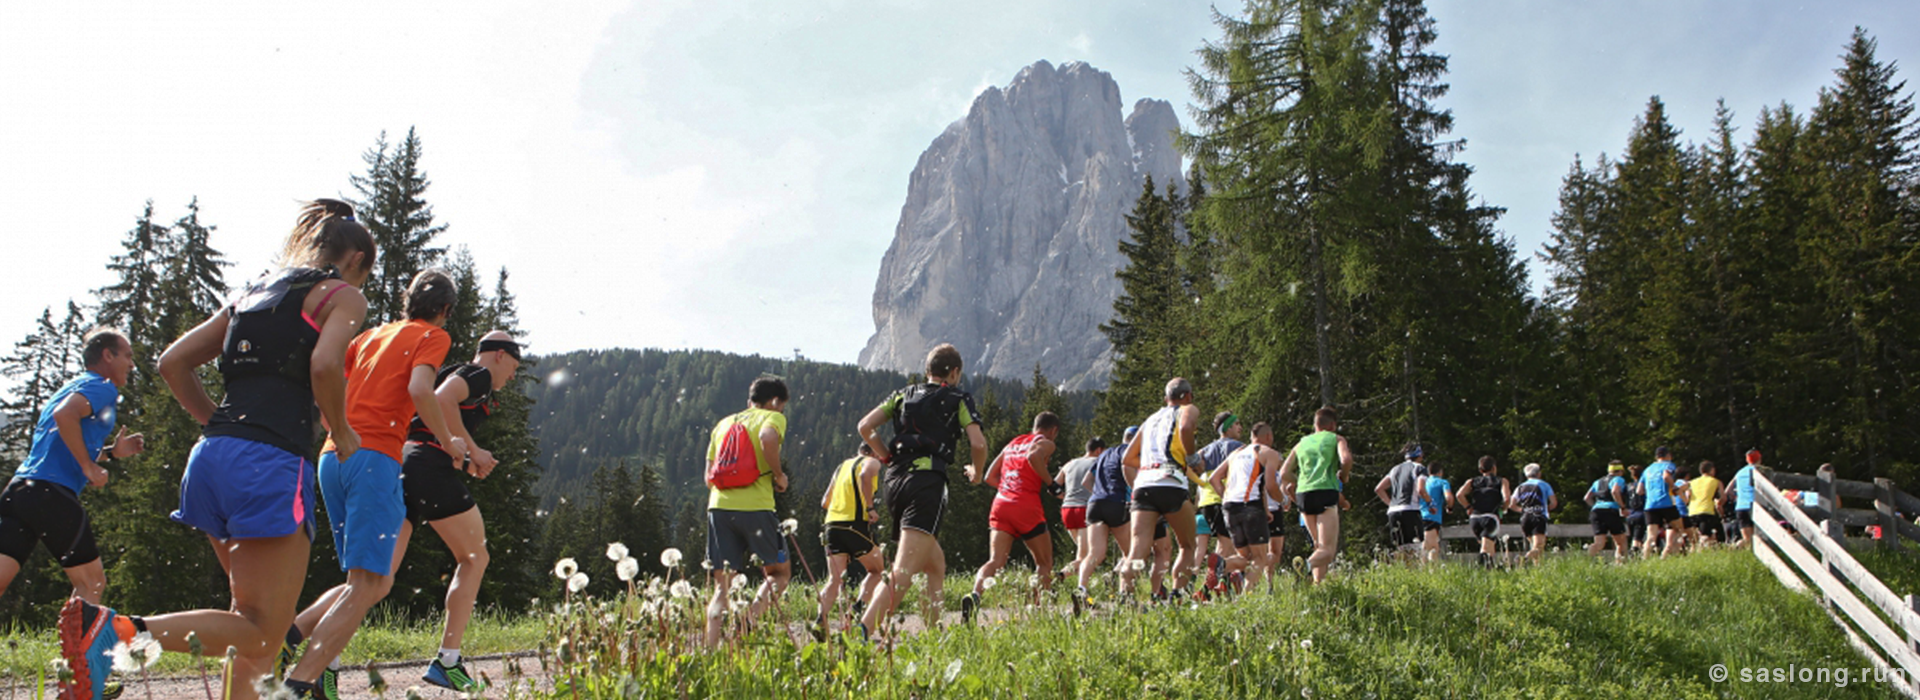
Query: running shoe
point(87, 633)
point(1213, 571)
point(969, 603)
point(285, 658)
point(1079, 599)
point(329, 686)
point(453, 677)
point(859, 606)
point(300, 690)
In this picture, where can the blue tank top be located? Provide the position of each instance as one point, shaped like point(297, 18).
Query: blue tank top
point(1603, 492)
point(1436, 498)
point(1654, 480)
point(1109, 483)
point(1743, 488)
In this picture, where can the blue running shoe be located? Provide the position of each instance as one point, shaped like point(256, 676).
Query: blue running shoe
point(453, 677)
point(87, 633)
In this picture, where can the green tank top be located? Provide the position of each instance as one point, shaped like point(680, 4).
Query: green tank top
point(1319, 458)
point(846, 506)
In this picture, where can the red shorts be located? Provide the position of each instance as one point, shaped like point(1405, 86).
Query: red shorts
point(1018, 519)
point(1074, 518)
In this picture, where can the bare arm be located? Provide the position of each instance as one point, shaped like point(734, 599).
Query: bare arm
point(869, 485)
point(1420, 491)
point(977, 444)
point(1130, 462)
point(826, 499)
point(1270, 470)
point(198, 347)
point(1041, 456)
point(328, 368)
point(1218, 480)
point(770, 450)
point(1384, 490)
point(1346, 461)
point(870, 432)
point(1189, 425)
point(992, 477)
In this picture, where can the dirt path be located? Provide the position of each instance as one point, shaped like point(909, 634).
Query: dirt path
point(399, 675)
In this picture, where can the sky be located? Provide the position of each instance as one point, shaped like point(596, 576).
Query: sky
point(727, 175)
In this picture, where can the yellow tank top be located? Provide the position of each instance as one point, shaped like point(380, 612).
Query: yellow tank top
point(846, 504)
point(1702, 488)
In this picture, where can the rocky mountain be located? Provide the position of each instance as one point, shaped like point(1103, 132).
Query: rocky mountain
point(1009, 238)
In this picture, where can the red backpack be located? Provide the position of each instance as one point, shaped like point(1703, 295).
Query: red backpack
point(734, 465)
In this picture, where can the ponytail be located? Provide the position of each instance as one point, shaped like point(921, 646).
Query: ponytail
point(324, 234)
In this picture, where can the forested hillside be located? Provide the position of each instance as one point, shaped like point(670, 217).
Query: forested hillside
point(649, 413)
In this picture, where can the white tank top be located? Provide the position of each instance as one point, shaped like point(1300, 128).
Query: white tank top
point(1244, 484)
point(1161, 458)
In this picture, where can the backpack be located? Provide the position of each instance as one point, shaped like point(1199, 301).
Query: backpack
point(734, 465)
point(1485, 496)
point(1602, 491)
point(1531, 499)
point(924, 426)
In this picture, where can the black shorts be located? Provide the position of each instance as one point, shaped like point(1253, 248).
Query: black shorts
point(1532, 524)
point(1319, 500)
point(433, 487)
point(1278, 526)
point(34, 511)
point(853, 538)
point(1429, 525)
point(1403, 527)
point(1485, 525)
point(1112, 514)
point(1607, 521)
point(1160, 530)
point(1216, 519)
point(1707, 523)
point(1038, 530)
point(1743, 519)
point(1247, 524)
point(1164, 500)
point(917, 501)
point(1662, 517)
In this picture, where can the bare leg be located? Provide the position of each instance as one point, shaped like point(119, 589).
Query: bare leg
point(336, 628)
point(919, 553)
point(1140, 530)
point(999, 546)
point(830, 589)
point(9, 568)
point(1182, 525)
point(1041, 547)
point(1326, 536)
point(722, 579)
point(876, 571)
point(89, 581)
point(466, 536)
point(265, 576)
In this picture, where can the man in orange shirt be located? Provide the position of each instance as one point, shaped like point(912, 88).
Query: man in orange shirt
point(390, 378)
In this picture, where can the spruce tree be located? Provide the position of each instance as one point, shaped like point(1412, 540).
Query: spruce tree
point(393, 206)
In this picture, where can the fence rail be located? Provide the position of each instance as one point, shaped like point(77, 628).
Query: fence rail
point(1883, 626)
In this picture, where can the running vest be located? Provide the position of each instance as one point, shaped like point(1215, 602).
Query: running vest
point(1602, 490)
point(1019, 482)
point(925, 427)
point(266, 361)
point(1319, 457)
point(1532, 497)
point(1162, 458)
point(473, 412)
point(1485, 494)
point(846, 504)
point(1244, 479)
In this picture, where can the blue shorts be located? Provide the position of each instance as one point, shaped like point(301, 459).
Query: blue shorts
point(236, 488)
point(365, 508)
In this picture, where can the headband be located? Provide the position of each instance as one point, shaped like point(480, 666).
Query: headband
point(1226, 423)
point(512, 348)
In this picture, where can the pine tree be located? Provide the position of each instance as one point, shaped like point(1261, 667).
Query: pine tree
point(393, 207)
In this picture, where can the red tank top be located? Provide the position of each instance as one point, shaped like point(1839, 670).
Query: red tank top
point(1019, 481)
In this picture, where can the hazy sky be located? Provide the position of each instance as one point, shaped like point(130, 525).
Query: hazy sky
point(722, 174)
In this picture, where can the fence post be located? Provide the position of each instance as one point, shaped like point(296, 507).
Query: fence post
point(1830, 502)
point(1914, 603)
point(1883, 504)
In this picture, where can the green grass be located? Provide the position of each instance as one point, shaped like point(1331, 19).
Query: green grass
point(1570, 628)
point(1900, 570)
point(26, 653)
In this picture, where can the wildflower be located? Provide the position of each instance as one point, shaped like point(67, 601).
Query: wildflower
point(990, 582)
point(59, 669)
point(789, 526)
point(953, 670)
point(670, 557)
point(141, 653)
point(682, 589)
point(616, 551)
point(1306, 644)
point(577, 582)
point(655, 588)
point(565, 568)
point(739, 581)
point(627, 568)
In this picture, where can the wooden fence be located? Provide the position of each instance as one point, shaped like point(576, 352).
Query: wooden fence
point(1884, 625)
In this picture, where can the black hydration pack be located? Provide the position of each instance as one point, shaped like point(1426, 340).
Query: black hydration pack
point(1531, 499)
point(927, 425)
point(268, 334)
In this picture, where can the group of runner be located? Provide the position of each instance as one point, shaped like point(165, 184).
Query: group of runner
point(398, 452)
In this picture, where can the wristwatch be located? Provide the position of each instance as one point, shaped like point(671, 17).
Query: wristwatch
point(106, 454)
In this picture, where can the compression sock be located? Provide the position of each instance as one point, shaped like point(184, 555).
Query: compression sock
point(449, 657)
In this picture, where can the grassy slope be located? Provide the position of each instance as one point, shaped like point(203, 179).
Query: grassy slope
point(1571, 628)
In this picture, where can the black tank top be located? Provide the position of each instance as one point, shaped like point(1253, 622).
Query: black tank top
point(1485, 495)
point(267, 360)
point(473, 411)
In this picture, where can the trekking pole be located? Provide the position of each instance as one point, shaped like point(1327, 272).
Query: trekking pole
point(797, 554)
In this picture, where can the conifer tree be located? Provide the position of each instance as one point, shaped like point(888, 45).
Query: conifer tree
point(393, 206)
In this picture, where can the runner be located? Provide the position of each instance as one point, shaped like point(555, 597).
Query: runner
point(1657, 483)
point(1404, 491)
point(1434, 509)
point(42, 502)
point(1636, 509)
point(1077, 479)
point(1157, 465)
point(1250, 475)
point(1485, 496)
point(1534, 499)
point(927, 420)
point(1106, 515)
point(390, 377)
point(438, 496)
point(1704, 517)
point(848, 535)
point(1605, 497)
point(1320, 464)
point(1018, 473)
point(249, 482)
point(743, 473)
point(1682, 503)
point(1212, 521)
point(1742, 497)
